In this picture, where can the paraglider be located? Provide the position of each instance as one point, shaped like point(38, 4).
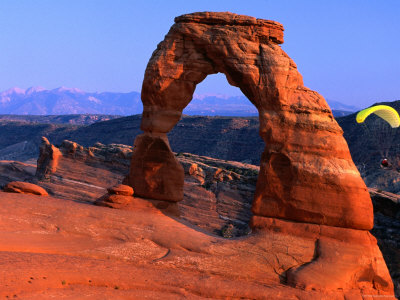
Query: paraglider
point(383, 132)
point(389, 114)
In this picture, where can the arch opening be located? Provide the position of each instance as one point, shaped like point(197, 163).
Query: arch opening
point(219, 148)
point(214, 96)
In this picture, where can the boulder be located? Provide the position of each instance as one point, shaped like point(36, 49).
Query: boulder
point(25, 188)
point(113, 201)
point(121, 189)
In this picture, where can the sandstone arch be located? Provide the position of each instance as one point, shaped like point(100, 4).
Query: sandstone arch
point(307, 174)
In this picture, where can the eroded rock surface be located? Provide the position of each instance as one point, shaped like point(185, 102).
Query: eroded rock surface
point(217, 193)
point(306, 161)
point(81, 173)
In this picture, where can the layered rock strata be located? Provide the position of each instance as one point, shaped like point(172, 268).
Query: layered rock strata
point(117, 196)
point(217, 193)
point(81, 173)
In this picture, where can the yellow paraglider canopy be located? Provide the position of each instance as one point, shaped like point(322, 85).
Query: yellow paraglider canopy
point(389, 114)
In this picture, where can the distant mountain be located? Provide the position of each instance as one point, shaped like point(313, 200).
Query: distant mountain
point(77, 119)
point(336, 105)
point(240, 106)
point(220, 105)
point(62, 101)
point(339, 109)
point(65, 101)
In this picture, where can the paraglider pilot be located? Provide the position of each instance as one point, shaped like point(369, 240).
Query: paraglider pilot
point(385, 163)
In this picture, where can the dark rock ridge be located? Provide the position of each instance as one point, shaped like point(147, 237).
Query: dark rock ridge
point(387, 230)
point(21, 140)
point(230, 138)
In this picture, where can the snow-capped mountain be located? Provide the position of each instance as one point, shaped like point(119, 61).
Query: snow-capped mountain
point(63, 100)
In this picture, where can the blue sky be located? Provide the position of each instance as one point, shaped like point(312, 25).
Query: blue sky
point(348, 51)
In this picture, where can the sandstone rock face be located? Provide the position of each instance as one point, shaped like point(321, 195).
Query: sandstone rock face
point(344, 258)
point(307, 173)
point(25, 188)
point(79, 173)
point(48, 159)
point(155, 172)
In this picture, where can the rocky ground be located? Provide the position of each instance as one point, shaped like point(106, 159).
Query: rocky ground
point(64, 229)
point(53, 248)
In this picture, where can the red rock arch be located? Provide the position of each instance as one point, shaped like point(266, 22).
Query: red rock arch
point(306, 171)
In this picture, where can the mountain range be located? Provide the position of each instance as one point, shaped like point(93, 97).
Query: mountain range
point(63, 101)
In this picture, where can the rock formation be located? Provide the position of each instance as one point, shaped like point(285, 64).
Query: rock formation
point(24, 188)
point(306, 175)
point(48, 159)
point(15, 171)
point(308, 184)
point(116, 197)
point(60, 169)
